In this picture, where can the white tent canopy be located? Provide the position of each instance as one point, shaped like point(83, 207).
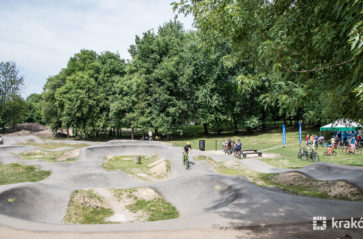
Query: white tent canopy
point(342, 125)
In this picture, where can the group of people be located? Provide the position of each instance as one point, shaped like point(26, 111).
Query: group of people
point(232, 147)
point(313, 141)
point(350, 141)
point(337, 140)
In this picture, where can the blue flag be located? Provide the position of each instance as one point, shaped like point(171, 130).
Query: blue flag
point(300, 132)
point(283, 135)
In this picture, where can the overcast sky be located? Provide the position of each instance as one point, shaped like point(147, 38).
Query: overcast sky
point(41, 35)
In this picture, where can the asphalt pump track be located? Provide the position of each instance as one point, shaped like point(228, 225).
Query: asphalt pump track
point(204, 198)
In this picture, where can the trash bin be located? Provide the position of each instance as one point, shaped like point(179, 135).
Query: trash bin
point(202, 145)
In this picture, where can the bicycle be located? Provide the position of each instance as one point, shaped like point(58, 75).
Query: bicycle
point(186, 161)
point(330, 152)
point(303, 153)
point(313, 156)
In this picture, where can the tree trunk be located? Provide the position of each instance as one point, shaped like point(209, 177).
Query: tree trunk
point(205, 128)
point(132, 133)
point(67, 132)
point(235, 126)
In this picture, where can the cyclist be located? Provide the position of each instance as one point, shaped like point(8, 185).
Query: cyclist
point(187, 147)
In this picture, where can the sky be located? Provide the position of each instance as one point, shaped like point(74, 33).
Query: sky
point(41, 35)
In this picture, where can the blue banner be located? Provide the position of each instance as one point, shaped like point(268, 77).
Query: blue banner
point(300, 132)
point(283, 135)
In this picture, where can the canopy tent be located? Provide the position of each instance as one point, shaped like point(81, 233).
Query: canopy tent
point(342, 125)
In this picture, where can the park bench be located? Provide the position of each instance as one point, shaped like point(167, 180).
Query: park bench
point(251, 151)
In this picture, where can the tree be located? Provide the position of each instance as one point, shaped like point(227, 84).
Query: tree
point(15, 110)
point(10, 85)
point(316, 45)
point(34, 108)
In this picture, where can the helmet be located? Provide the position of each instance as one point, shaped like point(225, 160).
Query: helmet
point(188, 143)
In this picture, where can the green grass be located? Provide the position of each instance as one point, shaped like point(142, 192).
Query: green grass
point(271, 142)
point(16, 173)
point(124, 163)
point(288, 158)
point(82, 212)
point(53, 145)
point(260, 141)
point(156, 209)
point(266, 180)
point(50, 156)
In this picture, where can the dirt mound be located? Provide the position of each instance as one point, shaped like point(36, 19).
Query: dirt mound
point(335, 189)
point(69, 155)
point(292, 178)
point(30, 129)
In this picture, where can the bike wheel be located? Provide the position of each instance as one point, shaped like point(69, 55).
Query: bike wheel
point(187, 164)
point(334, 153)
point(299, 155)
point(315, 158)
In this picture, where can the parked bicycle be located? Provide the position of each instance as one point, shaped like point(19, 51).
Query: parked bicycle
point(305, 155)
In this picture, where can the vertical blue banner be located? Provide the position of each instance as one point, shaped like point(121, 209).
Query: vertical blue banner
point(283, 135)
point(300, 132)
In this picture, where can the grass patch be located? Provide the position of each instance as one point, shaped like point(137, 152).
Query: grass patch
point(53, 145)
point(17, 173)
point(156, 209)
point(50, 156)
point(85, 207)
point(311, 189)
point(142, 171)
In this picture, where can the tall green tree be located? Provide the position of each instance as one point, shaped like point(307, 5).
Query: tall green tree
point(10, 84)
point(315, 45)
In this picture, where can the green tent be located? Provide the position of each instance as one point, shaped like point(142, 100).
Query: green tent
point(342, 125)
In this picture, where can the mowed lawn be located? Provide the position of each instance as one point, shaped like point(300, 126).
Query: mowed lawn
point(271, 142)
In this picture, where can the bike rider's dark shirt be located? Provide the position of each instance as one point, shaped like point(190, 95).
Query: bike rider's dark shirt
point(186, 148)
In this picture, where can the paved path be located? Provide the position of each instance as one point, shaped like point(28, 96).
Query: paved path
point(205, 199)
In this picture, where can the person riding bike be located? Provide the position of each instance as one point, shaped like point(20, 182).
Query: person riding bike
point(187, 147)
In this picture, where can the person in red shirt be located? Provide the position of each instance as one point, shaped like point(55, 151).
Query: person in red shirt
point(307, 140)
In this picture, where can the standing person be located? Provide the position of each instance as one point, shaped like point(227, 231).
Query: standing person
point(316, 141)
point(150, 133)
point(359, 139)
point(352, 144)
point(332, 141)
point(307, 141)
point(239, 148)
point(233, 148)
point(313, 142)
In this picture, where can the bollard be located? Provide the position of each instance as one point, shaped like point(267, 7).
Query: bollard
point(137, 159)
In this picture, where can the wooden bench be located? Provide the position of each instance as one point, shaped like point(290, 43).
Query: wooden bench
point(250, 151)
